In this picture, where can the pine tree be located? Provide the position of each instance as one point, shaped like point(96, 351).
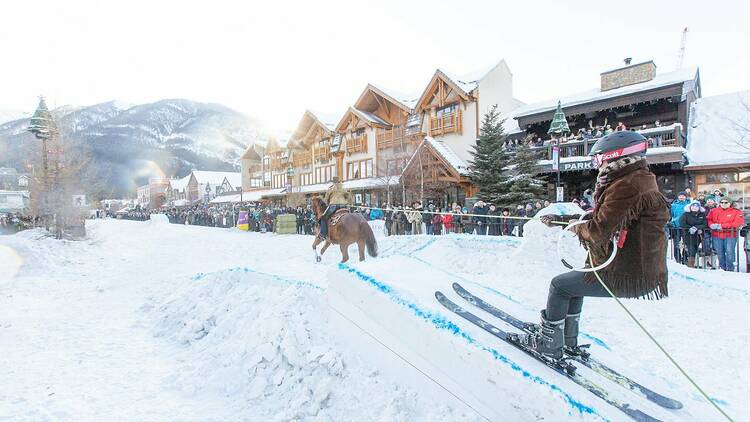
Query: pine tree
point(524, 186)
point(489, 159)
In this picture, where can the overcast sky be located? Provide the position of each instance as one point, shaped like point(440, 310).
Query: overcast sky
point(274, 59)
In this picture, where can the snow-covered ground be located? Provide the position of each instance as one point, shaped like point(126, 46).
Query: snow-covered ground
point(152, 321)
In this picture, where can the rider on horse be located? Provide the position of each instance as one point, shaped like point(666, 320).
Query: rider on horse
point(336, 197)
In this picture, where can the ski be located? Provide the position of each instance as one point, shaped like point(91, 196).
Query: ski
point(564, 368)
point(584, 359)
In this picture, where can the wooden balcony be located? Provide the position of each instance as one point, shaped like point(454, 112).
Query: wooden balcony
point(397, 136)
point(355, 145)
point(661, 137)
point(447, 123)
point(323, 153)
point(279, 163)
point(302, 159)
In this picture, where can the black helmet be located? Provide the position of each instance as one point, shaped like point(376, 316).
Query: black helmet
point(617, 145)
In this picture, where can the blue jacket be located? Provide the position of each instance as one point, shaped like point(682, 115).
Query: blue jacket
point(678, 208)
point(376, 214)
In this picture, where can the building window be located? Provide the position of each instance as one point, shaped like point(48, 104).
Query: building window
point(359, 169)
point(447, 109)
point(279, 181)
point(306, 179)
point(325, 174)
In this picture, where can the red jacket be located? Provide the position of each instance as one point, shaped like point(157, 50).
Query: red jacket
point(731, 220)
point(448, 221)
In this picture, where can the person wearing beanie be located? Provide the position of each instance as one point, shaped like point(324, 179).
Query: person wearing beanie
point(725, 222)
point(677, 209)
point(692, 224)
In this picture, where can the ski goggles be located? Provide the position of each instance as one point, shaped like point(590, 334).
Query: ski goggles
point(598, 159)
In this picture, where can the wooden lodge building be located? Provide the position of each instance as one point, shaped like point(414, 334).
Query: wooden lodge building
point(386, 147)
point(656, 105)
point(393, 148)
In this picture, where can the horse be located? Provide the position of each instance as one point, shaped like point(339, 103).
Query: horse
point(350, 228)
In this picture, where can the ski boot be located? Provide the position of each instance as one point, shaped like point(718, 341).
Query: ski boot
point(545, 340)
point(571, 338)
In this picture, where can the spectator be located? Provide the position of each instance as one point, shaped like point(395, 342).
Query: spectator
point(716, 196)
point(448, 221)
point(530, 213)
point(467, 225)
point(620, 127)
point(480, 220)
point(427, 217)
point(506, 224)
point(677, 208)
point(415, 218)
point(725, 223)
point(494, 222)
point(710, 203)
point(692, 224)
point(520, 212)
point(437, 223)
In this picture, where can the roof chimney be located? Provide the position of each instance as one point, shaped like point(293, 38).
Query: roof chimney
point(630, 74)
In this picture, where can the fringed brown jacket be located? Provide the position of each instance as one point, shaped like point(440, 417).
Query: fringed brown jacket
point(631, 201)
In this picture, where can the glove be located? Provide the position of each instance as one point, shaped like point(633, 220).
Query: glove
point(716, 226)
point(693, 230)
point(548, 219)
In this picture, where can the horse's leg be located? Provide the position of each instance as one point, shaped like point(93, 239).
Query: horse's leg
point(315, 249)
point(325, 246)
point(361, 248)
point(344, 252)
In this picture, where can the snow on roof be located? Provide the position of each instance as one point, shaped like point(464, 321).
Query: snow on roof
point(328, 119)
point(179, 184)
point(448, 155)
point(217, 177)
point(661, 80)
point(371, 117)
point(470, 81)
point(408, 100)
point(719, 130)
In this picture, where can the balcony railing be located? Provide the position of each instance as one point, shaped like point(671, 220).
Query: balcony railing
point(667, 136)
point(280, 162)
point(398, 136)
point(358, 144)
point(446, 123)
point(301, 159)
point(323, 153)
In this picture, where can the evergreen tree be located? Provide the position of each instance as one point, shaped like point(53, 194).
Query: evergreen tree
point(489, 159)
point(524, 185)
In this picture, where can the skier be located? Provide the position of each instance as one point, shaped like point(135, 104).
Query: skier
point(627, 200)
point(336, 197)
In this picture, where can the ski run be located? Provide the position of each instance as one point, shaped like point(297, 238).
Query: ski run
point(148, 321)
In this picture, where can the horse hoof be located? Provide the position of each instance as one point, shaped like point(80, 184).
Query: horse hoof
point(318, 259)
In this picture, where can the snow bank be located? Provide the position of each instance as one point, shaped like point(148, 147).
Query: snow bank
point(158, 220)
point(263, 341)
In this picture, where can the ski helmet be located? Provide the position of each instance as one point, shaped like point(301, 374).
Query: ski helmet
point(617, 145)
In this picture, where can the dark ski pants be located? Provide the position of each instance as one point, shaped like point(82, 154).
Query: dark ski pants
point(566, 293)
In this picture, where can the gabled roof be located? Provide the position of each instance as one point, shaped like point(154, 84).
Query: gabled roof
point(400, 100)
point(462, 90)
point(253, 152)
point(457, 165)
point(272, 145)
point(369, 118)
point(179, 184)
point(311, 120)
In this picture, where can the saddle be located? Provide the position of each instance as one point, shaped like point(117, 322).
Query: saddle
point(337, 216)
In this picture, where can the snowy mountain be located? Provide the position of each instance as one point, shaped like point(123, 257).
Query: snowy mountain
point(9, 115)
point(130, 143)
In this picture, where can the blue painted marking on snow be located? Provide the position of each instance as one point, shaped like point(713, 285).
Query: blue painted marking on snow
point(425, 246)
point(705, 283)
point(442, 323)
point(200, 276)
point(719, 401)
point(597, 341)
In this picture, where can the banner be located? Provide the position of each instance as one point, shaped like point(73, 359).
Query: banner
point(556, 158)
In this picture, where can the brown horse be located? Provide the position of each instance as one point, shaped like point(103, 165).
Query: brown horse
point(349, 229)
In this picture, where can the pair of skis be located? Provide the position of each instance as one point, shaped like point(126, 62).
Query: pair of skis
point(564, 366)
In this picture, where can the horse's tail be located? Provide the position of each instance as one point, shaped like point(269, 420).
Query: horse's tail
point(372, 244)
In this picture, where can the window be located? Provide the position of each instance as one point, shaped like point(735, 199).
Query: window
point(306, 179)
point(325, 174)
point(447, 109)
point(359, 169)
point(279, 181)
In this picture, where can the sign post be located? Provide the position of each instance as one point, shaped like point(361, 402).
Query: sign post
point(560, 193)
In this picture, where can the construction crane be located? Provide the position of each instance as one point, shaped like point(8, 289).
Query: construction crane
point(681, 52)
